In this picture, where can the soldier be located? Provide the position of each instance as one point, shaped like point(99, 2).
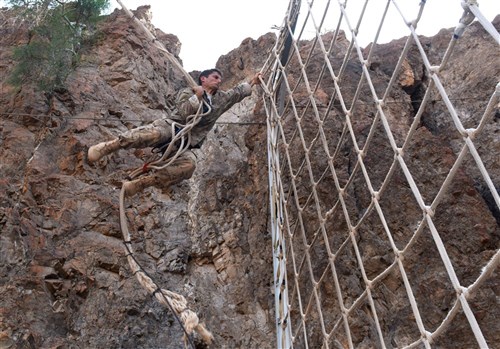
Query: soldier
point(159, 133)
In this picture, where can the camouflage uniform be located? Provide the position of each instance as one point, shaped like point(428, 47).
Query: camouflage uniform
point(160, 132)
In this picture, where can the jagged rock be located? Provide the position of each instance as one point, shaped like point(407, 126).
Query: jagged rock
point(64, 277)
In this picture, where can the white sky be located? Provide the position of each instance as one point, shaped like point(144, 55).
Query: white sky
point(210, 29)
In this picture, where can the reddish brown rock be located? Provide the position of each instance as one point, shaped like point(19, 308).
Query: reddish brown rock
point(64, 277)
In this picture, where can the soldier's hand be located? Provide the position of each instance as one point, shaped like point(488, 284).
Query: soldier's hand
point(256, 79)
point(198, 91)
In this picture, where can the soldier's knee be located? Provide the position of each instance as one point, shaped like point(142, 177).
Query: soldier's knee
point(182, 168)
point(189, 167)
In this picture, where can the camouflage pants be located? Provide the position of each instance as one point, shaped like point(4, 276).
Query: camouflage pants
point(182, 168)
point(149, 135)
point(152, 135)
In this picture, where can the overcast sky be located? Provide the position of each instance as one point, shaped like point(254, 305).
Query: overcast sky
point(209, 29)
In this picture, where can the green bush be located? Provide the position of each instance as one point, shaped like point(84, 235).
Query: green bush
point(58, 29)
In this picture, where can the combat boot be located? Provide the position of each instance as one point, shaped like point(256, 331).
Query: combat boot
point(97, 151)
point(133, 187)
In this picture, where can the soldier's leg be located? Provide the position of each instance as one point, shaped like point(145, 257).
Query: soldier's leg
point(181, 169)
point(158, 131)
point(144, 136)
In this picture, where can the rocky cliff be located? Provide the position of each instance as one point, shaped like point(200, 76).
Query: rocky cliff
point(65, 281)
point(64, 278)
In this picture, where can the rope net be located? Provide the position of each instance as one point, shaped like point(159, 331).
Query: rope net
point(384, 215)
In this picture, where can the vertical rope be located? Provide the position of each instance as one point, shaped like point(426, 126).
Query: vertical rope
point(283, 326)
point(159, 45)
point(187, 319)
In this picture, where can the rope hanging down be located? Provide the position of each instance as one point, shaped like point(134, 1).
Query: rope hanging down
point(187, 318)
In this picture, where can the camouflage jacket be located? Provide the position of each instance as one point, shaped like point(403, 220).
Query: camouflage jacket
point(221, 101)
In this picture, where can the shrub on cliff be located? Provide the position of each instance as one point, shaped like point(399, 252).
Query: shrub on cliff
point(58, 30)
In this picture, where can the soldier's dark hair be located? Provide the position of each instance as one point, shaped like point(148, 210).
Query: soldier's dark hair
point(207, 72)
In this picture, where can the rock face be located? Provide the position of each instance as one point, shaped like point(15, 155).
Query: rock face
point(65, 279)
point(65, 282)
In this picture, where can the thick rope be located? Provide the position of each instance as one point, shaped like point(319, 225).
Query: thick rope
point(283, 326)
point(159, 45)
point(187, 318)
point(182, 136)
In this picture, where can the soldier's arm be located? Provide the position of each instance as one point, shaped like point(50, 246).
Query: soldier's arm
point(187, 102)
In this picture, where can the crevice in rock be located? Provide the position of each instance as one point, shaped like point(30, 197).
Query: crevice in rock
point(416, 93)
point(489, 200)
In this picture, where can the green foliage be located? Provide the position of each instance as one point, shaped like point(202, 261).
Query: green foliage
point(58, 30)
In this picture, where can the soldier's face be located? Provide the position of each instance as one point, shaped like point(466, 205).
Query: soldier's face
point(212, 81)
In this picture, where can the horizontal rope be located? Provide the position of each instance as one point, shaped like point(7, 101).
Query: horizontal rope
point(118, 120)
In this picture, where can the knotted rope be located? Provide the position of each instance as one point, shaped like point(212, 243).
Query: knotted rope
point(187, 318)
point(181, 138)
